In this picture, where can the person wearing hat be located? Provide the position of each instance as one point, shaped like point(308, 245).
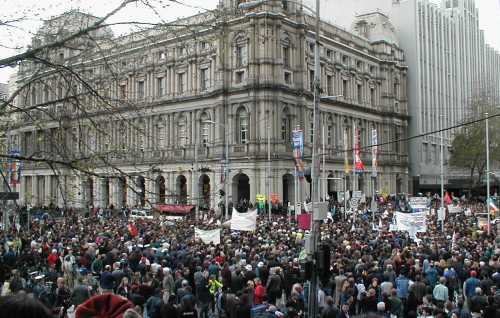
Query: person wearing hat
point(470, 285)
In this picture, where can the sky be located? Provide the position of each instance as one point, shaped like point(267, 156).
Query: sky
point(33, 12)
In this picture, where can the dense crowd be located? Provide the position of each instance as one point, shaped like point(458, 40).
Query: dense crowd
point(104, 266)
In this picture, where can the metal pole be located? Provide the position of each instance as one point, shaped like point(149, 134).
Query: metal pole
point(374, 204)
point(488, 174)
point(313, 290)
point(226, 173)
point(345, 197)
point(442, 178)
point(196, 184)
point(295, 191)
point(268, 179)
point(323, 167)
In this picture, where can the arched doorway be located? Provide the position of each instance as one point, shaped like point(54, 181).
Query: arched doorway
point(204, 191)
point(141, 191)
point(181, 186)
point(241, 188)
point(160, 189)
point(105, 192)
point(288, 189)
point(122, 188)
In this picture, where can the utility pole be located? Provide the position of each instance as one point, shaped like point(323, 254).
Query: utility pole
point(442, 176)
point(315, 233)
point(488, 174)
point(323, 156)
point(268, 179)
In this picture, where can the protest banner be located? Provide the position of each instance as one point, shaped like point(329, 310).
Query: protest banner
point(244, 221)
point(208, 236)
point(411, 222)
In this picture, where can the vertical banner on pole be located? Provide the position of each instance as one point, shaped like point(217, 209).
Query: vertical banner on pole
point(374, 153)
point(298, 151)
point(14, 168)
point(359, 167)
point(347, 168)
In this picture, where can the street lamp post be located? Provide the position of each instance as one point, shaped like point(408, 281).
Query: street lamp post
point(488, 173)
point(226, 165)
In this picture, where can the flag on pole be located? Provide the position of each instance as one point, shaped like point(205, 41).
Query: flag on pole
point(298, 151)
point(374, 152)
point(359, 167)
point(347, 167)
point(493, 208)
point(447, 198)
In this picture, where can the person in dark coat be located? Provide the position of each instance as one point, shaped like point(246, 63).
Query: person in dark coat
point(330, 310)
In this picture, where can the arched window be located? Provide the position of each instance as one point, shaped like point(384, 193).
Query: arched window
point(204, 129)
point(242, 122)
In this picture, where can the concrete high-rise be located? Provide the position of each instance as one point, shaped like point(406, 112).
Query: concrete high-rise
point(449, 67)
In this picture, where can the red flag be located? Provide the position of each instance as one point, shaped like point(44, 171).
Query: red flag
point(447, 199)
point(132, 229)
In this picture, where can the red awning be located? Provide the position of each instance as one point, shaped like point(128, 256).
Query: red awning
point(174, 208)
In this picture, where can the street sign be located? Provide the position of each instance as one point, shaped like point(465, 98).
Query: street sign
point(9, 196)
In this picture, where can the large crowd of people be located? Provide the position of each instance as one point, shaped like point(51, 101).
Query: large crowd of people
point(108, 266)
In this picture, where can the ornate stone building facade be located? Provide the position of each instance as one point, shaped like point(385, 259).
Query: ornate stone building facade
point(169, 99)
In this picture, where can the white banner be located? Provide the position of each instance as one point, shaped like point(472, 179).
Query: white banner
point(418, 204)
point(208, 236)
point(454, 209)
point(244, 221)
point(411, 222)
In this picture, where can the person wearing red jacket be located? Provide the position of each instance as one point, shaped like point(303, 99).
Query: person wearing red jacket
point(260, 291)
point(53, 258)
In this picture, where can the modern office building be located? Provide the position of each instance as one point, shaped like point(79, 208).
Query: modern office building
point(450, 67)
point(151, 119)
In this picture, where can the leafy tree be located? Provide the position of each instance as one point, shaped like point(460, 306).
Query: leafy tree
point(468, 149)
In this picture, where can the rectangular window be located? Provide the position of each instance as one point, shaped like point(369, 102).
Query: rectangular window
point(311, 80)
point(123, 91)
point(204, 133)
point(182, 135)
point(285, 130)
point(286, 56)
point(140, 89)
point(288, 78)
point(344, 89)
point(395, 91)
point(180, 83)
point(239, 76)
point(360, 94)
point(204, 83)
point(244, 130)
point(159, 86)
point(241, 56)
point(329, 85)
point(329, 135)
point(372, 96)
point(329, 54)
point(311, 130)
